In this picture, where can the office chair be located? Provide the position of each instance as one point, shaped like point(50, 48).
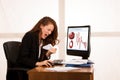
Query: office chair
point(11, 49)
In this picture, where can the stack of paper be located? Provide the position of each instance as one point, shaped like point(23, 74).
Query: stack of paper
point(76, 62)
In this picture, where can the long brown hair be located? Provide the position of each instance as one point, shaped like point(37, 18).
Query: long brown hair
point(52, 38)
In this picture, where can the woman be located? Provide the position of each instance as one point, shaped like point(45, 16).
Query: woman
point(31, 52)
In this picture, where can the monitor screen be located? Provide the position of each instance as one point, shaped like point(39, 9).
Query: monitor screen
point(78, 41)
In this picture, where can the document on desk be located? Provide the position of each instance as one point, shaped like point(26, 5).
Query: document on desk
point(76, 62)
point(61, 69)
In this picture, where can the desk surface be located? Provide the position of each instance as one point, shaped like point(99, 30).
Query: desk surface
point(40, 73)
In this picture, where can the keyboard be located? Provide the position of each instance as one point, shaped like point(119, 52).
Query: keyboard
point(57, 62)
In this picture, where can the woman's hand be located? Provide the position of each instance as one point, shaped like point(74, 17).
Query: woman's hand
point(46, 63)
point(51, 51)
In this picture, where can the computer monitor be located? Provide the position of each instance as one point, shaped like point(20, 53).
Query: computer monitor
point(78, 41)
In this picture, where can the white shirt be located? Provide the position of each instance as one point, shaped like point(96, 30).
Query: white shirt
point(40, 49)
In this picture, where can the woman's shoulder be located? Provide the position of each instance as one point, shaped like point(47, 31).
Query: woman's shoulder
point(30, 34)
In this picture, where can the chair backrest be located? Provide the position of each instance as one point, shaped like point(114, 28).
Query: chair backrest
point(11, 49)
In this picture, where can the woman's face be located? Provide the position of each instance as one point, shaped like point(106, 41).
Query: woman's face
point(46, 30)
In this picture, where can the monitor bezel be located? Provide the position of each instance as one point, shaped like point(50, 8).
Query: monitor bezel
point(84, 54)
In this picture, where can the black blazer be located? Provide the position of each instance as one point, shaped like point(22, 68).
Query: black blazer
point(29, 50)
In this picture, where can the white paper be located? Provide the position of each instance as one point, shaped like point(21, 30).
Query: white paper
point(47, 47)
point(77, 62)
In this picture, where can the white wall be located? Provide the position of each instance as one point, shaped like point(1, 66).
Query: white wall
point(105, 53)
point(102, 15)
point(22, 15)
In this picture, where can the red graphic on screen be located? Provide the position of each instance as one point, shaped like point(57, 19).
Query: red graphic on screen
point(79, 40)
point(71, 36)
